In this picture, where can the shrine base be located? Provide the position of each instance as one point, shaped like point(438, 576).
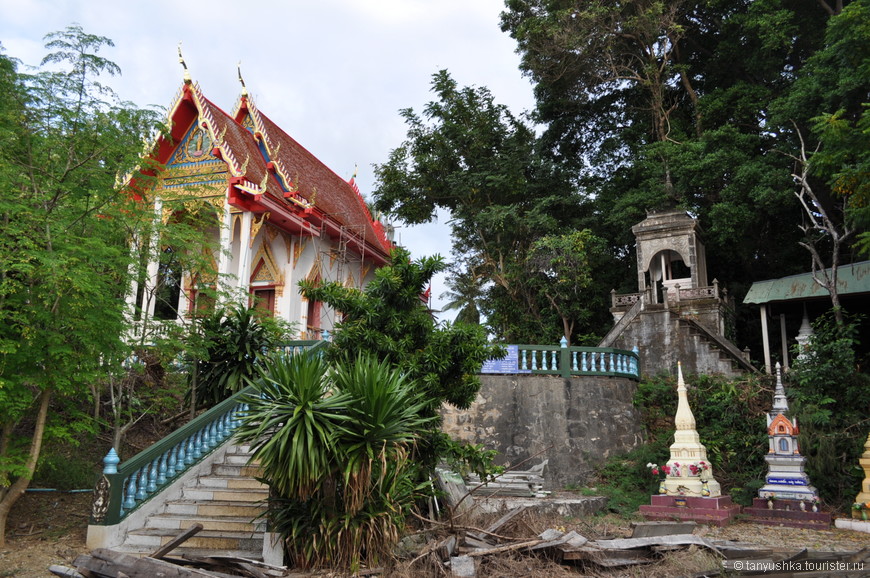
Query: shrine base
point(786, 513)
point(714, 511)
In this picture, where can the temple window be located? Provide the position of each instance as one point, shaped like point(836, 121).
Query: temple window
point(783, 445)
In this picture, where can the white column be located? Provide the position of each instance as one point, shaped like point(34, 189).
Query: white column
point(245, 253)
point(765, 339)
point(784, 341)
point(225, 254)
point(153, 262)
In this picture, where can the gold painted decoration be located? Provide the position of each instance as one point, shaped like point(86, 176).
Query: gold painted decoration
point(100, 505)
point(194, 147)
point(297, 250)
point(256, 225)
point(266, 271)
point(314, 273)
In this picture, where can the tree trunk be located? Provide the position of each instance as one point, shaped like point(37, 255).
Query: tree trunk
point(16, 490)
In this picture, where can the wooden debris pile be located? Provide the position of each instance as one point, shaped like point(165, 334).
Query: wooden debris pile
point(105, 563)
point(526, 483)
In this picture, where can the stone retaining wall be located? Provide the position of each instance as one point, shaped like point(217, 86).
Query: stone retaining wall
point(581, 420)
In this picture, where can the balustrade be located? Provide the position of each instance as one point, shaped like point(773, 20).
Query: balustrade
point(571, 361)
point(122, 488)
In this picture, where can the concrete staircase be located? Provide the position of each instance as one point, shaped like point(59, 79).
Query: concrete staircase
point(226, 500)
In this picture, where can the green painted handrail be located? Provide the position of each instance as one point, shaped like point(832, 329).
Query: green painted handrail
point(567, 361)
point(124, 488)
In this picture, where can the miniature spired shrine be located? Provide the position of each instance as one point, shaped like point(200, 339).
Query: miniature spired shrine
point(688, 491)
point(787, 498)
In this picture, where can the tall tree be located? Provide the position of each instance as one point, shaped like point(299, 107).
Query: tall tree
point(63, 256)
point(474, 158)
point(655, 103)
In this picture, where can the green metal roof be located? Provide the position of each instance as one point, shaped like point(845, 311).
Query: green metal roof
point(851, 279)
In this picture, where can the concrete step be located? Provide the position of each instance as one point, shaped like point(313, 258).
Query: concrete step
point(236, 470)
point(224, 494)
point(231, 482)
point(180, 522)
point(206, 539)
point(214, 508)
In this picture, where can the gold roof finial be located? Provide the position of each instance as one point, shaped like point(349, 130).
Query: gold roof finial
point(184, 65)
point(242, 80)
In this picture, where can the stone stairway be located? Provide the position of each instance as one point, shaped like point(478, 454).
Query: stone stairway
point(226, 500)
point(730, 359)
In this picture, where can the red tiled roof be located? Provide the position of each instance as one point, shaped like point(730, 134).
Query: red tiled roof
point(334, 196)
point(335, 202)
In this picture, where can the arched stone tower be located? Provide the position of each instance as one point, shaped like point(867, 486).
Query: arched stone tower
point(669, 253)
point(676, 313)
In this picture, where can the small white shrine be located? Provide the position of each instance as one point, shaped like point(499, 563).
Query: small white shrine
point(786, 478)
point(688, 471)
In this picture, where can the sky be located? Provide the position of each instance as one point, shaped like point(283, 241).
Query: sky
point(334, 74)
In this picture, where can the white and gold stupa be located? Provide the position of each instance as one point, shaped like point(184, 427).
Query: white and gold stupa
point(689, 472)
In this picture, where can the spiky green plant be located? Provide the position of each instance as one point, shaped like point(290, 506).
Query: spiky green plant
point(333, 443)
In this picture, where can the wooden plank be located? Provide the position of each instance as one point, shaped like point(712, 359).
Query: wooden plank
point(177, 541)
point(506, 548)
point(151, 567)
point(571, 540)
point(672, 540)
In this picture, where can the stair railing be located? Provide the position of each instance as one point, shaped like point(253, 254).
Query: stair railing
point(124, 487)
point(566, 361)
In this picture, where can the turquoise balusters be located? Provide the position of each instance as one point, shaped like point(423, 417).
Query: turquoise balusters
point(196, 440)
point(181, 457)
point(574, 361)
point(130, 494)
point(584, 367)
point(523, 356)
point(161, 468)
point(554, 363)
point(189, 458)
point(141, 484)
point(534, 360)
point(634, 368)
point(152, 477)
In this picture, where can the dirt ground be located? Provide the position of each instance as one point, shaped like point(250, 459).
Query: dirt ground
point(50, 528)
point(44, 529)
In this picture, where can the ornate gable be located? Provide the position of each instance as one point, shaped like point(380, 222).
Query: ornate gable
point(265, 270)
point(782, 426)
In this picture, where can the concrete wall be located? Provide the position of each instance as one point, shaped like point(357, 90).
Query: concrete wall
point(585, 420)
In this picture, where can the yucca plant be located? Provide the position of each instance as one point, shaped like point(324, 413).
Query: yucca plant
point(333, 443)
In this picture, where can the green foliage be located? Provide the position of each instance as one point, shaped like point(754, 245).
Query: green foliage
point(471, 156)
point(236, 339)
point(64, 260)
point(388, 320)
point(561, 267)
point(830, 400)
point(626, 479)
point(334, 445)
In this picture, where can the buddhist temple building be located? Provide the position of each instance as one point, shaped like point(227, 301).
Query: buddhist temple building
point(276, 215)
